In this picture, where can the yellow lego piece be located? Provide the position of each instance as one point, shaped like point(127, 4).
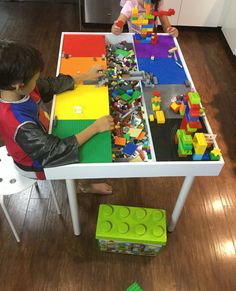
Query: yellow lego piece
point(140, 21)
point(151, 117)
point(156, 107)
point(134, 12)
point(175, 107)
point(216, 152)
point(145, 21)
point(135, 22)
point(160, 117)
point(199, 143)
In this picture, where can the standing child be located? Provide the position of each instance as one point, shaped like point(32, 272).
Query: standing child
point(24, 122)
point(126, 11)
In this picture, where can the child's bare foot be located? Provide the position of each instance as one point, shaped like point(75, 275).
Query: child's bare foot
point(95, 188)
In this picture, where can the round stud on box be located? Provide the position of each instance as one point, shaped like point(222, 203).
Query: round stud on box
point(158, 231)
point(157, 215)
point(108, 210)
point(106, 226)
point(123, 227)
point(124, 212)
point(140, 213)
point(140, 229)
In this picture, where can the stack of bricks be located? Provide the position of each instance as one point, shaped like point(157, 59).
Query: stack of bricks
point(156, 107)
point(190, 142)
point(190, 109)
point(185, 143)
point(200, 145)
point(131, 230)
point(146, 21)
point(191, 122)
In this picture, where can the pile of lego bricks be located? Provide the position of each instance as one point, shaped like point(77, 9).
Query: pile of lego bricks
point(130, 138)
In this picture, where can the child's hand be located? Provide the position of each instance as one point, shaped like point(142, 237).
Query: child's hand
point(173, 31)
point(104, 123)
point(94, 72)
point(115, 29)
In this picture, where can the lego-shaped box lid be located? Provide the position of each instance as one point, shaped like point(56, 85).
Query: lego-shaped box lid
point(131, 224)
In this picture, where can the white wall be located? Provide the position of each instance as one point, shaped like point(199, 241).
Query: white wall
point(201, 12)
point(175, 4)
point(229, 23)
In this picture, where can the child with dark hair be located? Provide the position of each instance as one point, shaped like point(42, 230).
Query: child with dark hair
point(126, 11)
point(24, 122)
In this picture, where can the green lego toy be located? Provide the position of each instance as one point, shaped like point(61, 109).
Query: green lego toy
point(134, 287)
point(131, 230)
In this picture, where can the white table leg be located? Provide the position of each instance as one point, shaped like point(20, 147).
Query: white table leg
point(71, 190)
point(183, 194)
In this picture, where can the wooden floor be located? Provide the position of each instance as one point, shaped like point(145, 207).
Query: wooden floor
point(201, 252)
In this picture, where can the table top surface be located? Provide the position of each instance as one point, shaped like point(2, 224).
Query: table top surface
point(81, 50)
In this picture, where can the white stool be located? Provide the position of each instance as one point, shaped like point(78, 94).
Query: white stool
point(12, 182)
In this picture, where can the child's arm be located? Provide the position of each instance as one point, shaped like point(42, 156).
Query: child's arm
point(93, 73)
point(54, 85)
point(47, 87)
point(118, 25)
point(102, 124)
point(173, 31)
point(52, 151)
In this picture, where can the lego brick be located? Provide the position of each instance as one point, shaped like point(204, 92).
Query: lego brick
point(134, 132)
point(175, 107)
point(134, 287)
point(197, 157)
point(122, 52)
point(168, 12)
point(120, 23)
point(190, 129)
point(133, 224)
point(160, 117)
point(215, 154)
point(142, 135)
point(199, 143)
point(151, 117)
point(129, 149)
point(194, 97)
point(119, 141)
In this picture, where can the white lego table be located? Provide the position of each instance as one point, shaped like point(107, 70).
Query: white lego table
point(154, 168)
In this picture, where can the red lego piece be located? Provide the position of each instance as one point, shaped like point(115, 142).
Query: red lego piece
point(164, 12)
point(156, 92)
point(194, 112)
point(120, 23)
point(186, 98)
point(195, 124)
point(184, 123)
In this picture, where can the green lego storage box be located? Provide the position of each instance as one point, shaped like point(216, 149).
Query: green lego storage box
point(131, 230)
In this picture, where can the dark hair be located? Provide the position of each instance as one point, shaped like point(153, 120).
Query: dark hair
point(156, 2)
point(18, 63)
